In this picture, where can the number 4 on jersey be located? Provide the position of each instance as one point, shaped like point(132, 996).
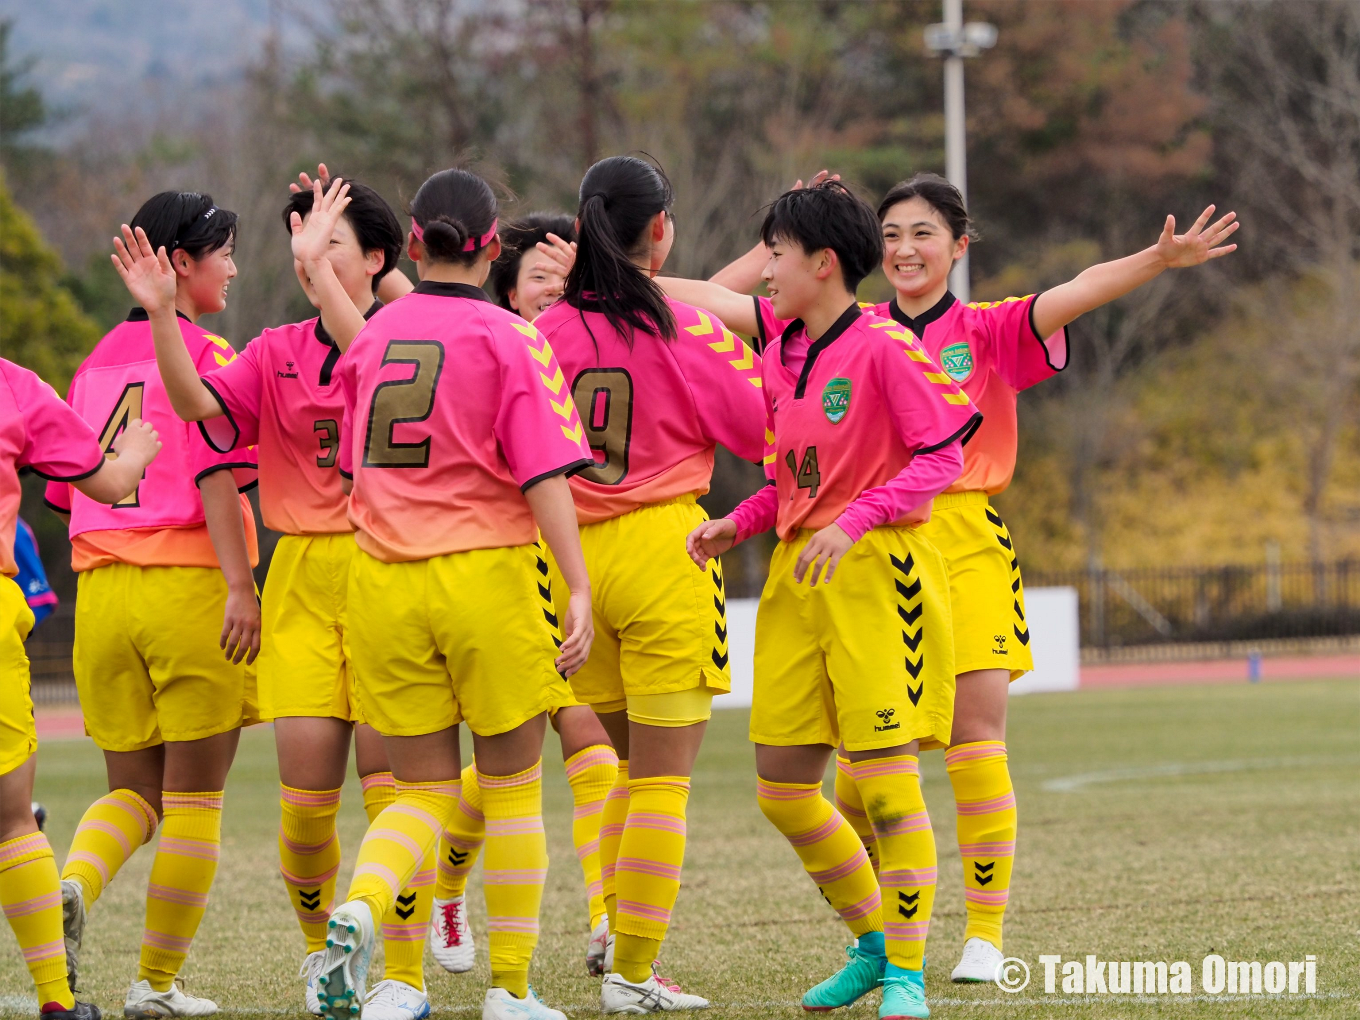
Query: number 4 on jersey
point(806, 474)
point(129, 406)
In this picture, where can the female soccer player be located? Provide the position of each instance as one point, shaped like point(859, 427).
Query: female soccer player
point(864, 434)
point(282, 396)
point(40, 432)
point(658, 384)
point(993, 350)
point(458, 453)
point(523, 281)
point(159, 697)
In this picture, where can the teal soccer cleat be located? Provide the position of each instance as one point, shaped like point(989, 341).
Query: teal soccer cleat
point(861, 975)
point(904, 995)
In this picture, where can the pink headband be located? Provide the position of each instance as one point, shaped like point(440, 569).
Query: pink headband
point(473, 243)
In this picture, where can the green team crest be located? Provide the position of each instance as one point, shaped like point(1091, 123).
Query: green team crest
point(957, 361)
point(836, 399)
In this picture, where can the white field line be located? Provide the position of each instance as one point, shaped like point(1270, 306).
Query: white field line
point(1072, 784)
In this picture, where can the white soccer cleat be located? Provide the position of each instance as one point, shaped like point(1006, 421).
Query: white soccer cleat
point(341, 976)
point(396, 1000)
point(979, 963)
point(597, 947)
point(451, 936)
point(618, 995)
point(501, 1005)
point(145, 1003)
point(311, 969)
point(72, 926)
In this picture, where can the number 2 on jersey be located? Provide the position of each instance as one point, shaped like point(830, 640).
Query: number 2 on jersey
point(805, 475)
point(129, 406)
point(605, 399)
point(400, 401)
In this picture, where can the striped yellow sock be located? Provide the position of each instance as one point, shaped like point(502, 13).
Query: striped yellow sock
point(612, 817)
point(591, 773)
point(399, 843)
point(891, 788)
point(309, 857)
point(111, 830)
point(182, 874)
point(403, 926)
point(985, 800)
point(851, 806)
point(516, 865)
point(647, 872)
point(30, 894)
point(831, 852)
point(462, 840)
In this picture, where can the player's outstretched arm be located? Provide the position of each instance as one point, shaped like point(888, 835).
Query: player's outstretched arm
point(150, 279)
point(1101, 284)
point(553, 508)
point(311, 244)
point(135, 447)
point(737, 311)
point(222, 513)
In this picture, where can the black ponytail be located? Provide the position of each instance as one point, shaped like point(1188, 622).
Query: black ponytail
point(454, 210)
point(187, 221)
point(619, 198)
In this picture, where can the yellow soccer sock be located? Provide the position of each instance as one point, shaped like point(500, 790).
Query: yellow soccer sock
point(891, 788)
point(591, 773)
point(985, 800)
point(404, 927)
point(111, 830)
point(398, 846)
point(181, 875)
point(831, 852)
point(462, 840)
point(612, 817)
point(30, 894)
point(309, 857)
point(512, 876)
point(851, 806)
point(647, 872)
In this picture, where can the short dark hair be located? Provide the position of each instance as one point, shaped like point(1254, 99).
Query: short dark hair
point(454, 208)
point(519, 239)
point(186, 220)
point(828, 215)
point(939, 194)
point(375, 224)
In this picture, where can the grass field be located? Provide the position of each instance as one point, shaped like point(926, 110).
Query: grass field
point(1155, 824)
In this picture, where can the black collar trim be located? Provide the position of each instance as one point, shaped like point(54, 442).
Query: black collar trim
point(333, 355)
point(325, 337)
point(918, 325)
point(846, 320)
point(140, 315)
point(462, 290)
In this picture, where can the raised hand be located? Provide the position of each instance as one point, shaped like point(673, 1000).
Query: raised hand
point(560, 256)
point(1199, 243)
point(148, 275)
point(821, 175)
point(710, 539)
point(304, 183)
point(139, 442)
point(312, 238)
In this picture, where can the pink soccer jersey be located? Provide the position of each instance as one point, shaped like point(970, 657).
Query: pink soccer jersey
point(453, 407)
point(116, 383)
point(283, 394)
point(865, 400)
point(992, 350)
point(654, 413)
point(40, 432)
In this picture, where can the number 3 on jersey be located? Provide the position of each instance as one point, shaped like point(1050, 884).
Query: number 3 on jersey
point(805, 475)
point(129, 406)
point(400, 401)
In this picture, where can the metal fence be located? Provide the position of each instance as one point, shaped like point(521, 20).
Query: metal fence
point(1173, 605)
point(49, 656)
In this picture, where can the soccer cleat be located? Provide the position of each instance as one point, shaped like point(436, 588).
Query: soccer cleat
point(595, 949)
point(145, 1003)
point(396, 1000)
point(979, 963)
point(451, 936)
point(619, 995)
point(80, 1011)
point(904, 996)
point(311, 968)
point(861, 975)
point(501, 1005)
point(344, 969)
point(72, 926)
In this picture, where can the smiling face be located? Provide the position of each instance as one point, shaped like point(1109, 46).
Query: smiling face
point(919, 249)
point(794, 277)
point(534, 289)
point(204, 281)
point(354, 267)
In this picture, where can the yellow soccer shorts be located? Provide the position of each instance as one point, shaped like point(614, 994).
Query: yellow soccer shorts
point(660, 621)
point(303, 665)
point(467, 637)
point(18, 736)
point(866, 660)
point(990, 629)
point(147, 662)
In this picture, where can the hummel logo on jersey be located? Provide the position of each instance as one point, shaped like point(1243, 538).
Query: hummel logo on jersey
point(1000, 640)
point(286, 375)
point(886, 716)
